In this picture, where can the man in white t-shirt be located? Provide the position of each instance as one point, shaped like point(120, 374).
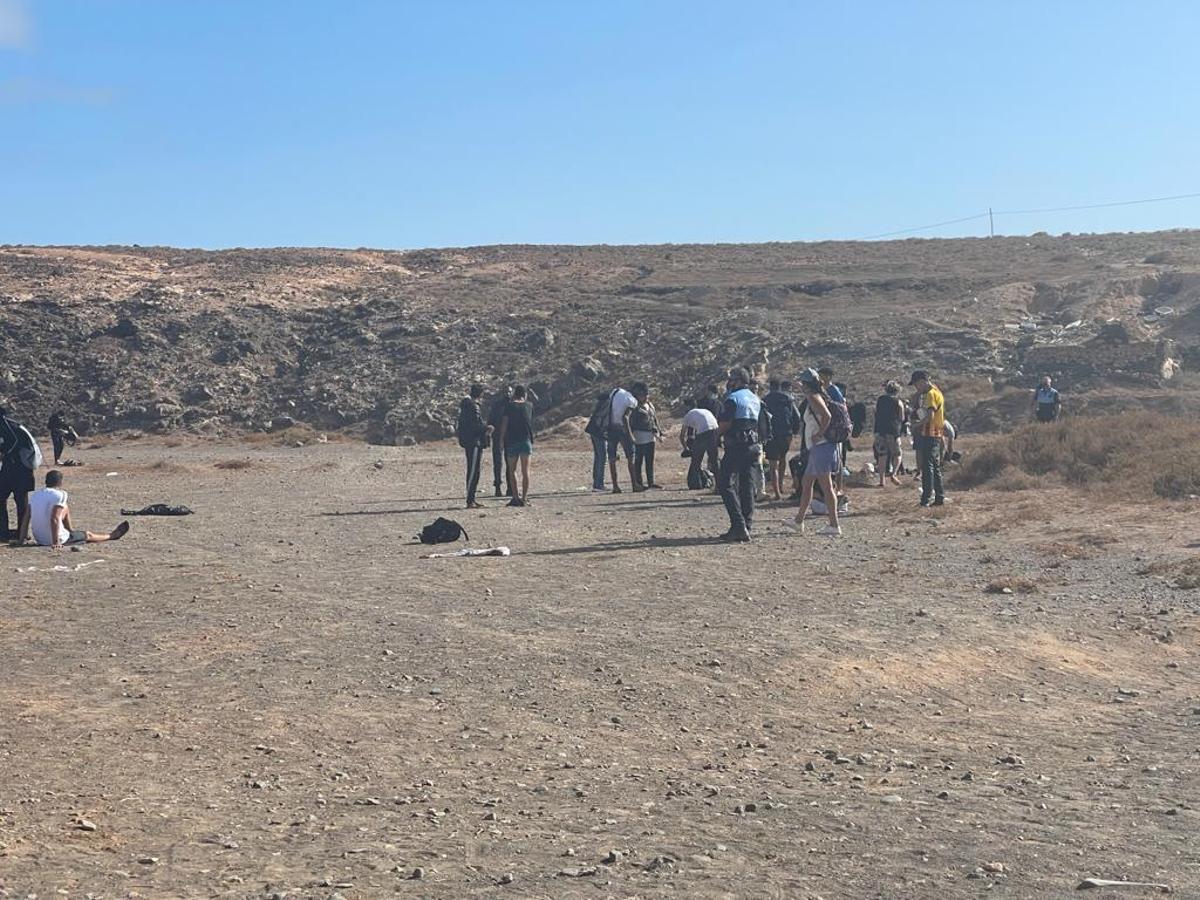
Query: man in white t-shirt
point(620, 437)
point(50, 518)
point(698, 435)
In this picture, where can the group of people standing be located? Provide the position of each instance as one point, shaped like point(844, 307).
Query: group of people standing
point(738, 440)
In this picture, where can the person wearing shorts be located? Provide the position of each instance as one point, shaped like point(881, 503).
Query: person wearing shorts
point(823, 457)
point(50, 518)
point(516, 435)
point(890, 415)
point(785, 418)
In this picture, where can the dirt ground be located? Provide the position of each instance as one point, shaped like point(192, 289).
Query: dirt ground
point(277, 697)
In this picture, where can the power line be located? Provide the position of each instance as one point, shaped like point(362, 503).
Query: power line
point(924, 227)
point(1026, 212)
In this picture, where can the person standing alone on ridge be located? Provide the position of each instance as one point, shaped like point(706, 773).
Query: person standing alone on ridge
point(738, 425)
point(928, 436)
point(1047, 404)
point(473, 434)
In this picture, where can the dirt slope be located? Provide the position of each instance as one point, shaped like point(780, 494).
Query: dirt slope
point(383, 343)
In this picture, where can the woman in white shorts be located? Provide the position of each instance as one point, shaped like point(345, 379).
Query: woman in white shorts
point(823, 460)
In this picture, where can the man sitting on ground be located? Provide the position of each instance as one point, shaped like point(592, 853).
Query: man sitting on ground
point(50, 518)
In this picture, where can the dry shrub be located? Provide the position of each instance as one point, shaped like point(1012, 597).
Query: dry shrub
point(1134, 453)
point(1183, 574)
point(236, 464)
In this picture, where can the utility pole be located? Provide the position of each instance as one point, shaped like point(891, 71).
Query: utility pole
point(991, 223)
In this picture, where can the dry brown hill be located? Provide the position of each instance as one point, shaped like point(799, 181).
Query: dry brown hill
point(383, 343)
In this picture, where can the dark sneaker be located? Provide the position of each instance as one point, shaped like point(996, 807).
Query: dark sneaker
point(616, 489)
point(639, 488)
point(498, 493)
point(654, 487)
point(940, 501)
point(925, 504)
point(736, 537)
point(515, 501)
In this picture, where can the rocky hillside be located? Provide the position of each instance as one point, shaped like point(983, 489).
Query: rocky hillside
point(382, 344)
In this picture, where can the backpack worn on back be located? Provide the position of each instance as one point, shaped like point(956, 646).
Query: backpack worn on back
point(28, 451)
point(839, 427)
point(442, 531)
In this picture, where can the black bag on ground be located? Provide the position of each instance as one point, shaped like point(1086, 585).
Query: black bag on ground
point(442, 531)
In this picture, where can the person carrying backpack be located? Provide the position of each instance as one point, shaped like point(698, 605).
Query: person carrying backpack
point(826, 425)
point(473, 436)
point(19, 456)
point(597, 430)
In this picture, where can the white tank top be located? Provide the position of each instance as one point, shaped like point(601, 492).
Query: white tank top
point(812, 428)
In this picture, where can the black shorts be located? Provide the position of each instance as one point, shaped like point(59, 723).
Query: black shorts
point(619, 439)
point(778, 448)
point(1046, 412)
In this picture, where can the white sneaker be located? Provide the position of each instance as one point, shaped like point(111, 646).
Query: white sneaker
point(831, 531)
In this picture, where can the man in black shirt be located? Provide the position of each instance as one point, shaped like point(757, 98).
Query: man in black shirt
point(16, 478)
point(473, 434)
point(785, 423)
point(495, 413)
point(516, 434)
point(890, 415)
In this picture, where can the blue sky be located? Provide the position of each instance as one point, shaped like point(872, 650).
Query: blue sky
point(220, 123)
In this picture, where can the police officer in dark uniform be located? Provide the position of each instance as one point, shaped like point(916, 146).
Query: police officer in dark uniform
point(738, 426)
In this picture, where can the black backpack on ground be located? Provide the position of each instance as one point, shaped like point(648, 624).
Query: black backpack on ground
point(442, 531)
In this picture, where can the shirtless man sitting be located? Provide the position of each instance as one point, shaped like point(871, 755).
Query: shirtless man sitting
point(50, 518)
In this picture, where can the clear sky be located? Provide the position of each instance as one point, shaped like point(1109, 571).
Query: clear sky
point(388, 123)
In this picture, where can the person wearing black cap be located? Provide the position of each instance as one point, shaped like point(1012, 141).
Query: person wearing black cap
point(738, 426)
point(928, 435)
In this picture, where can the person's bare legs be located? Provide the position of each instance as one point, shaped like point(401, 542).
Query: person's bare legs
point(116, 534)
point(806, 492)
point(831, 499)
point(524, 478)
point(511, 463)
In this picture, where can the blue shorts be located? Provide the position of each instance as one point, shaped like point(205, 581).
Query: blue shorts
point(823, 460)
point(520, 448)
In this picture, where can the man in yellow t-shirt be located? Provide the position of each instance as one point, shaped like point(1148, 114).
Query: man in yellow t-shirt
point(930, 412)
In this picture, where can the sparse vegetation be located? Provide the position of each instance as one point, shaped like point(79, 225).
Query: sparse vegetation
point(1136, 453)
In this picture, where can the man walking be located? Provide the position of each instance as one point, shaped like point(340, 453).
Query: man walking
point(496, 412)
point(738, 426)
point(927, 437)
point(473, 434)
point(1047, 404)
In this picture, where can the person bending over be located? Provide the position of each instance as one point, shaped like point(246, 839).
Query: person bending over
point(50, 518)
point(698, 437)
